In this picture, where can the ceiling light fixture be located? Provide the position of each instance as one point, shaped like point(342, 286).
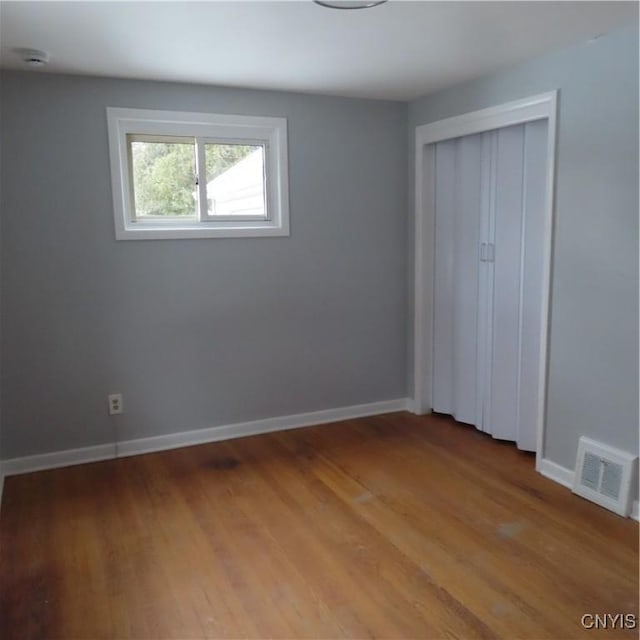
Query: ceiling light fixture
point(33, 57)
point(347, 4)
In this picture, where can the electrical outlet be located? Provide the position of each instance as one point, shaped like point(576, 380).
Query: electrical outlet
point(115, 403)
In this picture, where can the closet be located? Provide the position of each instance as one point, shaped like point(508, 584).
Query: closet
point(490, 193)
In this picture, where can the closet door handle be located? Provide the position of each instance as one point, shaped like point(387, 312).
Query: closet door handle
point(487, 252)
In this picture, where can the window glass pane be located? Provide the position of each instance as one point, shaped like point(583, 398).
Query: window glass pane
point(164, 177)
point(235, 180)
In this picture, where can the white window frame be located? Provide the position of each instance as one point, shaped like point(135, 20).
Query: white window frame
point(268, 132)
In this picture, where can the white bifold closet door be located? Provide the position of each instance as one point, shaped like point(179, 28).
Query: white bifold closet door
point(490, 191)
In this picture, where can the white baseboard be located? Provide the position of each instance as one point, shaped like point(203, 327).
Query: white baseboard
point(556, 472)
point(43, 461)
point(564, 476)
point(125, 448)
point(255, 427)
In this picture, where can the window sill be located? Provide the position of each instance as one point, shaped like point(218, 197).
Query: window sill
point(200, 230)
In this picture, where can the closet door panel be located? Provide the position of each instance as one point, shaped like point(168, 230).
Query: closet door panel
point(466, 256)
point(535, 153)
point(485, 285)
point(443, 381)
point(507, 267)
point(490, 192)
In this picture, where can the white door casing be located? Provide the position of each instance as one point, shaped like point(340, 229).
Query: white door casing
point(541, 107)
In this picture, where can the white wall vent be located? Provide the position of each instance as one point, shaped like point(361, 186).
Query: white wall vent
point(604, 475)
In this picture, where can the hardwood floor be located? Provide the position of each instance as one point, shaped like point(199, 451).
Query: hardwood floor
point(396, 526)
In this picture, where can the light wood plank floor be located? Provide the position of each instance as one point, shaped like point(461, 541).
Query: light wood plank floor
point(396, 526)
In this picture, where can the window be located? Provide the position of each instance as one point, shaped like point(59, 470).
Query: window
point(194, 175)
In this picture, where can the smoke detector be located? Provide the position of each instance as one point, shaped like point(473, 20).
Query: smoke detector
point(33, 57)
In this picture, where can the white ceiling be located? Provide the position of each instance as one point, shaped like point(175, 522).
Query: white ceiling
point(399, 50)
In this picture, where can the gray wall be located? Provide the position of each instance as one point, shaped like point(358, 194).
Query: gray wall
point(195, 333)
point(593, 365)
point(199, 333)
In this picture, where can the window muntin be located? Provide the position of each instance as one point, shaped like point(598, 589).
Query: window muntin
point(187, 175)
